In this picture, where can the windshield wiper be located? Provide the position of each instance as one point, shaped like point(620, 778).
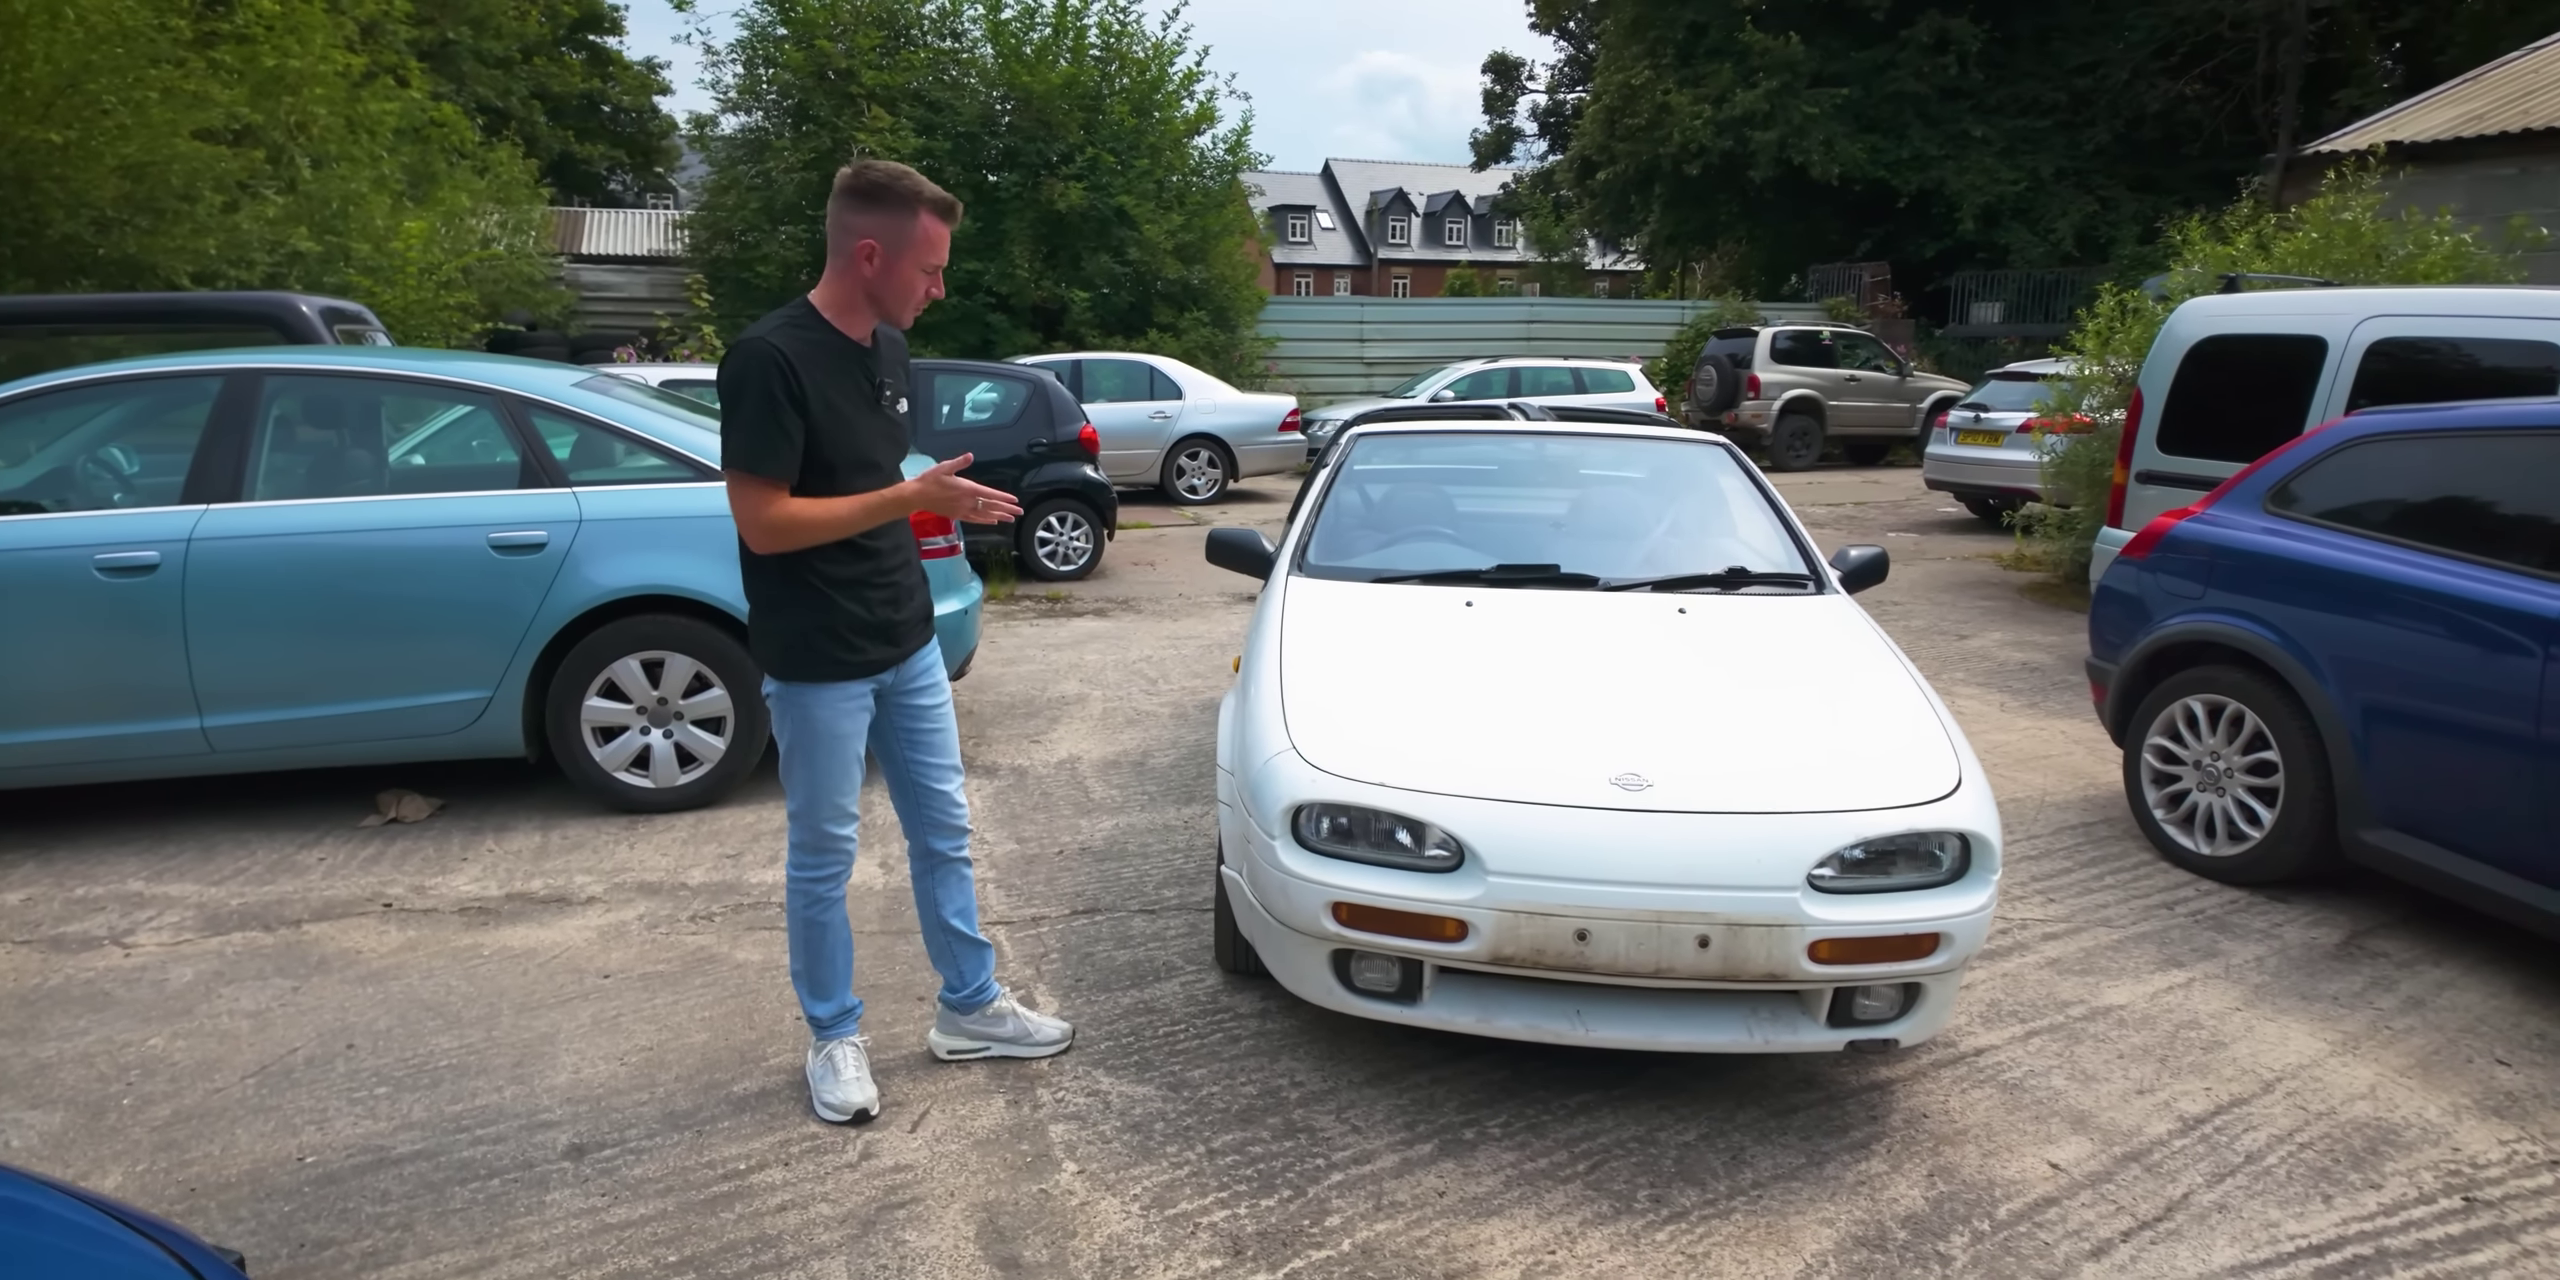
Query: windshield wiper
point(1726, 578)
point(1499, 575)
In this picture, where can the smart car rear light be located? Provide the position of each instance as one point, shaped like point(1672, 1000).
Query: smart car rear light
point(2124, 460)
point(1886, 864)
point(1090, 441)
point(1290, 423)
point(937, 537)
point(1381, 839)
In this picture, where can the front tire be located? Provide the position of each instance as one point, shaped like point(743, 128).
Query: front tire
point(1058, 541)
point(1197, 470)
point(656, 713)
point(1227, 943)
point(1795, 443)
point(2227, 776)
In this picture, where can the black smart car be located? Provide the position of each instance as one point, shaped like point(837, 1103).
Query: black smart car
point(41, 332)
point(1030, 439)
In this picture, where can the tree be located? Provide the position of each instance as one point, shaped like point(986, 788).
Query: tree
point(1105, 202)
point(1463, 281)
point(1943, 135)
point(164, 144)
point(550, 77)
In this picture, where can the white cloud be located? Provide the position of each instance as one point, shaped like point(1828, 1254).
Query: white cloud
point(1386, 105)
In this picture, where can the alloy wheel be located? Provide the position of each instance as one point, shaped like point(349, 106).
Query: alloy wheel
point(657, 719)
point(1199, 473)
point(2211, 775)
point(1063, 541)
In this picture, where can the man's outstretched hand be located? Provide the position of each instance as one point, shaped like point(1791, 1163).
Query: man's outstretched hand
point(941, 491)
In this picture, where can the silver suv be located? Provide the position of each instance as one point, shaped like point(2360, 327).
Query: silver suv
point(1559, 380)
point(1792, 388)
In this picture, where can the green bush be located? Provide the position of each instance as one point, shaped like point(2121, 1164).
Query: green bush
point(1670, 370)
point(2340, 234)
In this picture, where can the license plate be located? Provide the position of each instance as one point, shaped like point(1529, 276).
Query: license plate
point(1995, 439)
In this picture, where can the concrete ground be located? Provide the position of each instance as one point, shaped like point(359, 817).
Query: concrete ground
point(525, 1038)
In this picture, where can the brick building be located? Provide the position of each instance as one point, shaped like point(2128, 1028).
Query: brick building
point(1379, 229)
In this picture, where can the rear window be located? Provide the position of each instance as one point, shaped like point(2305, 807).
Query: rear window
point(2238, 395)
point(1607, 382)
point(41, 348)
point(972, 401)
point(1734, 345)
point(2482, 497)
point(2007, 393)
point(2429, 370)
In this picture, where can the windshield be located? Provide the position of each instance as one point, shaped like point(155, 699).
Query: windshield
point(2008, 393)
point(682, 408)
point(1612, 507)
point(1411, 388)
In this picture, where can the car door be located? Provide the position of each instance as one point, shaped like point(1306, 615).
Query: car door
point(2423, 587)
point(100, 485)
point(1497, 383)
point(2437, 359)
point(1135, 409)
point(1810, 358)
point(391, 545)
point(998, 419)
point(1607, 388)
point(1549, 383)
point(1873, 376)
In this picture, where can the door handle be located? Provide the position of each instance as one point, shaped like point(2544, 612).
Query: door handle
point(520, 540)
point(1850, 377)
point(126, 563)
point(1161, 416)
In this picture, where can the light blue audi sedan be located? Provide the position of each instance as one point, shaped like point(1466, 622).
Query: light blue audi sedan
point(296, 557)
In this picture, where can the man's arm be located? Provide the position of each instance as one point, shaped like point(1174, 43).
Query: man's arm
point(772, 521)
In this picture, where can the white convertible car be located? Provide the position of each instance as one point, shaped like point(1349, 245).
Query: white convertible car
point(1510, 751)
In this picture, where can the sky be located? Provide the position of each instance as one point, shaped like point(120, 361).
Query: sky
point(1357, 79)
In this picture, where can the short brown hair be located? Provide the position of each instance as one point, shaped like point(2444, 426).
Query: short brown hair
point(867, 188)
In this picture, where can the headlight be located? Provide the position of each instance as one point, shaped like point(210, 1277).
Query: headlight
point(1383, 839)
point(1322, 428)
point(1912, 860)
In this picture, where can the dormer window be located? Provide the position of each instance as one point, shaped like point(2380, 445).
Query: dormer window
point(1506, 233)
point(1297, 228)
point(1399, 230)
point(1454, 233)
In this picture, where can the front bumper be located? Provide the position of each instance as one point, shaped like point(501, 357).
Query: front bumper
point(1545, 1006)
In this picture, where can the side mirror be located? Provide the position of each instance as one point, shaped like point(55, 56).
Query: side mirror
point(1247, 552)
point(1859, 567)
point(1443, 396)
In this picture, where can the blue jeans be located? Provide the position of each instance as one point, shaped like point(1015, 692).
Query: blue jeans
point(903, 715)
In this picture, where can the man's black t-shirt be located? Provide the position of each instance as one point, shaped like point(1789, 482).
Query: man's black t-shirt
point(804, 405)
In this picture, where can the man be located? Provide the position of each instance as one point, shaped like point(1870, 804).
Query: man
point(814, 402)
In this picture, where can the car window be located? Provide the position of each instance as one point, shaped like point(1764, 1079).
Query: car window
point(702, 411)
point(1165, 387)
point(2429, 370)
point(104, 446)
point(1483, 384)
point(703, 389)
point(35, 347)
point(1547, 380)
point(1866, 353)
point(2487, 497)
point(964, 401)
point(592, 455)
point(1607, 382)
point(1617, 507)
point(1412, 387)
point(342, 437)
point(1735, 345)
point(1119, 382)
point(1804, 349)
point(2007, 393)
point(2237, 395)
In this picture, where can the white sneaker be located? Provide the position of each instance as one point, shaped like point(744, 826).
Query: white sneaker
point(1003, 1029)
point(840, 1087)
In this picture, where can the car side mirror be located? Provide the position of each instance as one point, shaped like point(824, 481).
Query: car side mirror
point(1859, 567)
point(1247, 552)
point(1443, 396)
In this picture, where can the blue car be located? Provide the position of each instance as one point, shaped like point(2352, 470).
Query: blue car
point(287, 558)
point(2353, 647)
point(55, 1231)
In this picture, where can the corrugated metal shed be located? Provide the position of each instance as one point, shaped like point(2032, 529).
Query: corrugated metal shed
point(2518, 93)
point(1329, 349)
point(618, 233)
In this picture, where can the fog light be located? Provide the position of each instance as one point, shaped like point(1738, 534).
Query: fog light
point(1383, 977)
point(1891, 949)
